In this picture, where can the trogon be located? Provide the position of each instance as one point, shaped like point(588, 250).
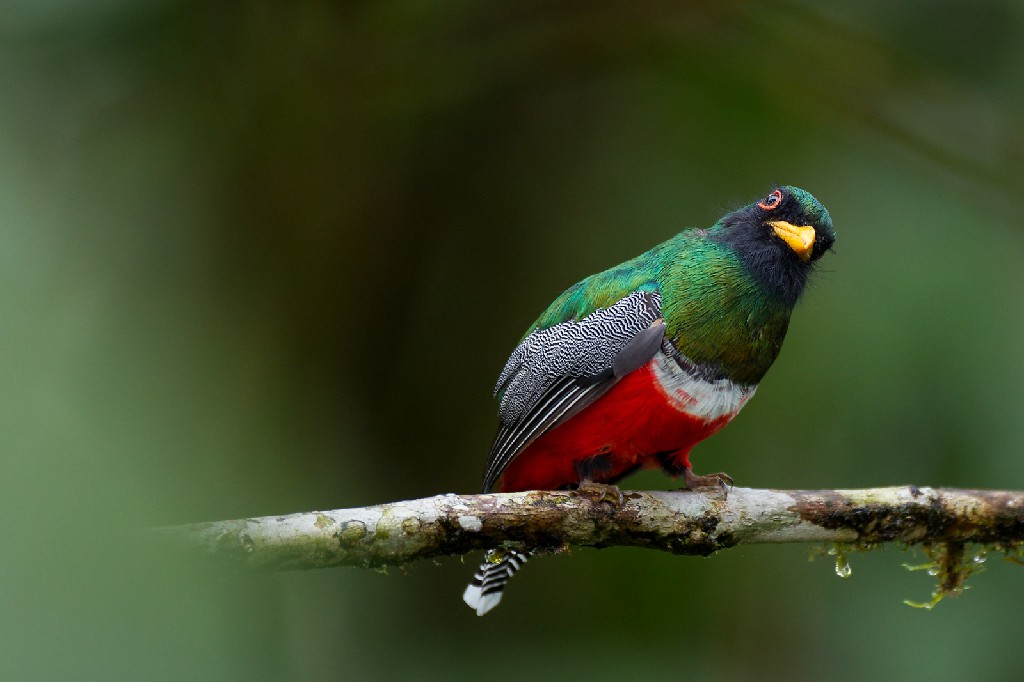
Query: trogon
point(631, 367)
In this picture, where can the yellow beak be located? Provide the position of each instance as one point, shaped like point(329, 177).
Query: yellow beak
point(799, 237)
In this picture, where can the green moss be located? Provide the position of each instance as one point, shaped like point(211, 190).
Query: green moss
point(841, 553)
point(383, 527)
point(351, 532)
point(1012, 552)
point(952, 565)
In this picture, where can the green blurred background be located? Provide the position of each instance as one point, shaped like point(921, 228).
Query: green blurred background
point(266, 257)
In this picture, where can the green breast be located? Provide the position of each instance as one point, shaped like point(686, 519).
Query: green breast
point(715, 314)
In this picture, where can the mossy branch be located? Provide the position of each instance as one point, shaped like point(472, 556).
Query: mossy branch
point(682, 522)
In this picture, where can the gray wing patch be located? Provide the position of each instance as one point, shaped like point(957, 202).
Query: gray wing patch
point(556, 372)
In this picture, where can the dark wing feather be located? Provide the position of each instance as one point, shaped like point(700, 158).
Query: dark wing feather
point(558, 371)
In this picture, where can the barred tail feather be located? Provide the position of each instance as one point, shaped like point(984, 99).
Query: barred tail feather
point(499, 565)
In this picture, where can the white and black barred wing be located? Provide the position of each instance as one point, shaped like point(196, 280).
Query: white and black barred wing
point(556, 372)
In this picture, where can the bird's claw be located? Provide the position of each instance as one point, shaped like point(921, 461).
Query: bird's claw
point(602, 492)
point(720, 480)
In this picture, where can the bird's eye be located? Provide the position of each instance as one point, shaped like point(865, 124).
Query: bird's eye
point(772, 201)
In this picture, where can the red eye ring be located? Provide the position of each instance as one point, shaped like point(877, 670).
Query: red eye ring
point(772, 201)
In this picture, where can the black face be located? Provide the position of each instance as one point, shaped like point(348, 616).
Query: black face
point(798, 207)
point(768, 258)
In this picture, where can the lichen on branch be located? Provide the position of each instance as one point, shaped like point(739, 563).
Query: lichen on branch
point(681, 522)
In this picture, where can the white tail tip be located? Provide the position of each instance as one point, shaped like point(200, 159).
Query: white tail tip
point(484, 593)
point(476, 600)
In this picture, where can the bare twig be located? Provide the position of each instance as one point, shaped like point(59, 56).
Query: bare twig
point(682, 522)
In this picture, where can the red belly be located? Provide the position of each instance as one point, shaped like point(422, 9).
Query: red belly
point(631, 424)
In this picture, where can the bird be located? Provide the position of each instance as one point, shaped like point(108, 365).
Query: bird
point(631, 367)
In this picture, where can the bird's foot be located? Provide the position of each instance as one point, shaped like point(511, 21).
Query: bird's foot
point(602, 492)
point(719, 480)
